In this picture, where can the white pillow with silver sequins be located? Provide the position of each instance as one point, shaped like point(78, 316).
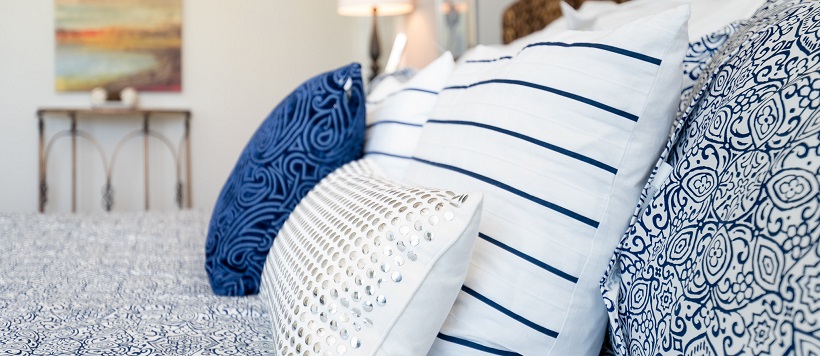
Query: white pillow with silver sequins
point(364, 266)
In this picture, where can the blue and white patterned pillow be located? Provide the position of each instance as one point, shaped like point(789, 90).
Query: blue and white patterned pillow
point(560, 136)
point(316, 129)
point(726, 260)
point(699, 55)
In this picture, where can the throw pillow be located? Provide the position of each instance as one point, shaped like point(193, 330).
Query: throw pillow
point(707, 16)
point(395, 114)
point(314, 130)
point(725, 260)
point(365, 266)
point(560, 137)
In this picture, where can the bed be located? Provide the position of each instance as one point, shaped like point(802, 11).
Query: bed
point(716, 187)
point(118, 284)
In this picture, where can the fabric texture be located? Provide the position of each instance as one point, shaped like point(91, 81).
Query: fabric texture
point(725, 260)
point(314, 130)
point(707, 16)
point(364, 266)
point(560, 137)
point(699, 55)
point(395, 114)
point(118, 284)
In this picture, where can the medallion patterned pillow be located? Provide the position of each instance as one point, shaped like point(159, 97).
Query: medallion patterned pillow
point(726, 260)
point(364, 266)
point(316, 129)
point(699, 55)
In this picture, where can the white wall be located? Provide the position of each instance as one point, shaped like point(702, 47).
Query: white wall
point(489, 15)
point(240, 58)
point(421, 29)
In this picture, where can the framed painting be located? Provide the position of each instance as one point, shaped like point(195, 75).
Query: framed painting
point(116, 44)
point(456, 23)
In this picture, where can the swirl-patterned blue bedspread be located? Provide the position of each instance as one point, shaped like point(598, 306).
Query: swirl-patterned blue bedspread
point(121, 284)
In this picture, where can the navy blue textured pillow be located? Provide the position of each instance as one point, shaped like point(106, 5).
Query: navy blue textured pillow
point(316, 129)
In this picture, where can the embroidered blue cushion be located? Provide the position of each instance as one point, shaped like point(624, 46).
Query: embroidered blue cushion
point(725, 259)
point(314, 130)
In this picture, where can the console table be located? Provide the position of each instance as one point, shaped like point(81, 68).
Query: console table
point(182, 154)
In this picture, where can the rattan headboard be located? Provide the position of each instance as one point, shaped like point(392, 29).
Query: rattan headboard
point(527, 16)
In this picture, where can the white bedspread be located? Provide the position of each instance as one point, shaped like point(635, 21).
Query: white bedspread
point(121, 284)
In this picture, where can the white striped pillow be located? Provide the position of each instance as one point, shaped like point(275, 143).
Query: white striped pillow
point(561, 138)
point(395, 114)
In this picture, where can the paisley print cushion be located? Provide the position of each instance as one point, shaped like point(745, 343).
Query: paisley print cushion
point(725, 260)
point(316, 129)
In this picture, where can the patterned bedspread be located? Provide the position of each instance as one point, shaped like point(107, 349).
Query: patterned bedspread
point(121, 284)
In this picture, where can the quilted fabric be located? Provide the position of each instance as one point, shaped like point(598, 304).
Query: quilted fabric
point(725, 260)
point(316, 129)
point(364, 266)
point(121, 284)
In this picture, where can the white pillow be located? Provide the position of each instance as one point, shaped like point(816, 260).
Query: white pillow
point(561, 138)
point(395, 113)
point(707, 15)
point(367, 267)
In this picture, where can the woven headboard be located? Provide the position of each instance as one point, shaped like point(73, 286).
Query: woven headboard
point(527, 16)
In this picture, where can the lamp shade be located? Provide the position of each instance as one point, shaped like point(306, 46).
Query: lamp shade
point(383, 7)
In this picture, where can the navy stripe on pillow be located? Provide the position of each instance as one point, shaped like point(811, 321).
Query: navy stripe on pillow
point(529, 258)
point(555, 207)
point(475, 346)
point(560, 92)
point(395, 122)
point(613, 49)
point(508, 312)
point(546, 145)
point(487, 60)
point(405, 90)
point(386, 154)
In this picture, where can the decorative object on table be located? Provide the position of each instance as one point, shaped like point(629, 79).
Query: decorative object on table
point(456, 25)
point(314, 130)
point(98, 96)
point(125, 99)
point(118, 44)
point(364, 266)
point(560, 137)
point(725, 260)
point(129, 97)
point(374, 8)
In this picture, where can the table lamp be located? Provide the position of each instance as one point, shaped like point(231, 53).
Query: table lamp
point(374, 8)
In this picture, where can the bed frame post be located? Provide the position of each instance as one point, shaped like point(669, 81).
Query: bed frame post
point(42, 148)
point(188, 160)
point(145, 118)
point(73, 117)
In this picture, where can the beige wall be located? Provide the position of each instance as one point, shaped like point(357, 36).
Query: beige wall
point(240, 58)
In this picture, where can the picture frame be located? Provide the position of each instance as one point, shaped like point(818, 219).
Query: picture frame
point(456, 25)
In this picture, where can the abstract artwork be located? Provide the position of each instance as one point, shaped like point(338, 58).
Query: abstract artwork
point(118, 44)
